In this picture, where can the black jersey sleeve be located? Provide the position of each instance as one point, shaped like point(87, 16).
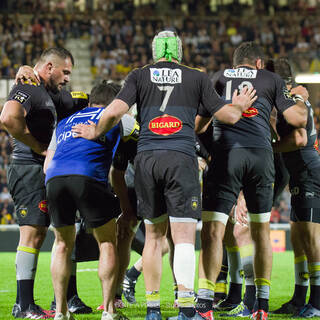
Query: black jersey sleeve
point(128, 93)
point(211, 102)
point(24, 94)
point(283, 99)
point(67, 103)
point(201, 150)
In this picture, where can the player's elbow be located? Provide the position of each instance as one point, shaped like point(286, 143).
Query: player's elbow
point(231, 119)
point(301, 138)
point(5, 120)
point(297, 115)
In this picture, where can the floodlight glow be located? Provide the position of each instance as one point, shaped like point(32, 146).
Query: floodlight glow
point(308, 78)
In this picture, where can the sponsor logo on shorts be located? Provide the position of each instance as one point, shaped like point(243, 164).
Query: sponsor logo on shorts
point(240, 73)
point(23, 211)
point(165, 75)
point(43, 206)
point(21, 97)
point(194, 203)
point(165, 125)
point(250, 113)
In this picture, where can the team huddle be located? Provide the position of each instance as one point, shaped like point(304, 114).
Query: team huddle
point(68, 146)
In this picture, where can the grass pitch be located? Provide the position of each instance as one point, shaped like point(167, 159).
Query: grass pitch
point(89, 289)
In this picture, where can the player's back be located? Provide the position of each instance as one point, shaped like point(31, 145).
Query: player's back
point(252, 130)
point(168, 99)
point(80, 156)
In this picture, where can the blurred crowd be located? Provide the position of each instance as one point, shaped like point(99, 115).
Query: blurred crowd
point(6, 203)
point(120, 33)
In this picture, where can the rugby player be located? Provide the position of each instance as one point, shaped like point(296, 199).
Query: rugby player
point(300, 153)
point(168, 95)
point(65, 104)
point(29, 115)
point(244, 160)
point(77, 179)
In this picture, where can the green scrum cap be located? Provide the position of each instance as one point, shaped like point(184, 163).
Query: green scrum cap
point(166, 44)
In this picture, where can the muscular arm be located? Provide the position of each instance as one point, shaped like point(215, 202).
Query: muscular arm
point(49, 157)
point(297, 115)
point(291, 142)
point(13, 119)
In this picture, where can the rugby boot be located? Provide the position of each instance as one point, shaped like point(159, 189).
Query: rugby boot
point(113, 316)
point(61, 316)
point(153, 315)
point(198, 316)
point(308, 311)
point(288, 308)
point(32, 312)
point(225, 305)
point(75, 305)
point(259, 315)
point(240, 311)
point(129, 289)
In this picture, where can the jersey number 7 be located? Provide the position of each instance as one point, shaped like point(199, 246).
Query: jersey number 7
point(168, 90)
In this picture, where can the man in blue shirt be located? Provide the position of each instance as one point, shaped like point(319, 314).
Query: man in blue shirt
point(77, 179)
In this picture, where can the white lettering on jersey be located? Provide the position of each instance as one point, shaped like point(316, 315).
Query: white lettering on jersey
point(240, 73)
point(165, 75)
point(91, 115)
point(66, 135)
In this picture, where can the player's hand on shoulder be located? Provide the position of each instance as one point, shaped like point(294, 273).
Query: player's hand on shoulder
point(86, 131)
point(26, 75)
point(301, 91)
point(245, 98)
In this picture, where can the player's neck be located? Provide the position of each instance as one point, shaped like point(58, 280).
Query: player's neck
point(246, 66)
point(165, 60)
point(96, 106)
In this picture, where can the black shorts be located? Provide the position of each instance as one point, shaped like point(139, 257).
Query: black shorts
point(167, 181)
point(305, 214)
point(247, 169)
point(26, 183)
point(67, 194)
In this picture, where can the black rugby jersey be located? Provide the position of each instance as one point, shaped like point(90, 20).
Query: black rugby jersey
point(253, 129)
point(168, 96)
point(306, 158)
point(41, 118)
point(67, 103)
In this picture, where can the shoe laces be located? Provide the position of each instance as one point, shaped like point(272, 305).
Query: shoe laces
point(237, 309)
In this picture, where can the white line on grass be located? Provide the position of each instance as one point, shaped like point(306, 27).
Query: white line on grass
point(87, 270)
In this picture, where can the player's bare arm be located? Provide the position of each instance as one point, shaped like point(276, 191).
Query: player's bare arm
point(110, 117)
point(49, 157)
point(295, 140)
point(13, 119)
point(128, 218)
point(297, 114)
point(231, 114)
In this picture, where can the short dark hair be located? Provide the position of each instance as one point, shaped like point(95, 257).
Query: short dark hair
point(282, 67)
point(57, 51)
point(103, 93)
point(247, 53)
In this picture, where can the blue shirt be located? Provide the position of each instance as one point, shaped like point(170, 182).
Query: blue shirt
point(78, 156)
